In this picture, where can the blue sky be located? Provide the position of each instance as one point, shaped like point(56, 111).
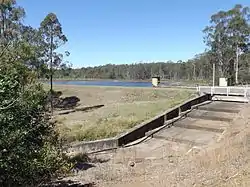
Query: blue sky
point(127, 31)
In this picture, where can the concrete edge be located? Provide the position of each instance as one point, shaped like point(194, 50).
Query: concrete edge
point(91, 146)
point(140, 130)
point(158, 116)
point(230, 99)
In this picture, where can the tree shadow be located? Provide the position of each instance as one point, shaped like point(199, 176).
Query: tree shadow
point(83, 109)
point(83, 166)
point(83, 162)
point(68, 183)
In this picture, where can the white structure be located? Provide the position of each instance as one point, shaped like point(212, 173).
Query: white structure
point(223, 82)
point(155, 81)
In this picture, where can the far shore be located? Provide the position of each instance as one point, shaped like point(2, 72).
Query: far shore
point(112, 80)
point(162, 81)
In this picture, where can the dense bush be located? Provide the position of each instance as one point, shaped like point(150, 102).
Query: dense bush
point(29, 148)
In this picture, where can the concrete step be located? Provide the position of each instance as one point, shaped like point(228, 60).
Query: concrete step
point(210, 115)
point(225, 104)
point(205, 125)
point(187, 136)
point(230, 98)
point(219, 109)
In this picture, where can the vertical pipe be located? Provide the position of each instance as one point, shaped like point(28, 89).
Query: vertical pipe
point(213, 74)
point(237, 65)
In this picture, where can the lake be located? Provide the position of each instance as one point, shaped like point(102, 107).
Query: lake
point(105, 83)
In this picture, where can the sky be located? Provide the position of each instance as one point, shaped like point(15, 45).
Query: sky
point(129, 31)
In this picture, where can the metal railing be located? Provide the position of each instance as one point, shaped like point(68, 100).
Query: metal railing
point(228, 90)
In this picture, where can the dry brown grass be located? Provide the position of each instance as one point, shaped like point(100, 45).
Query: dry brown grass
point(124, 108)
point(226, 163)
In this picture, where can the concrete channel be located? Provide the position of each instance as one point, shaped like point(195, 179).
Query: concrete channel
point(202, 126)
point(195, 131)
point(197, 122)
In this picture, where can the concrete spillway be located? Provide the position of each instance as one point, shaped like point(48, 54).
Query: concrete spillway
point(203, 125)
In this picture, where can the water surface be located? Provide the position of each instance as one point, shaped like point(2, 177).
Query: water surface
point(106, 83)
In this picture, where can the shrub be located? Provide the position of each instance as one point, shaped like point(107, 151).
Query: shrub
point(29, 149)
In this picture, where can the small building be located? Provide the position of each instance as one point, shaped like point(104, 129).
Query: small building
point(223, 82)
point(155, 81)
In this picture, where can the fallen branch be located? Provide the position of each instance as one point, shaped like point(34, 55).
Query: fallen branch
point(9, 106)
point(231, 177)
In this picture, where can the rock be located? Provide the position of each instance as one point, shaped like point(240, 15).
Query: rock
point(132, 164)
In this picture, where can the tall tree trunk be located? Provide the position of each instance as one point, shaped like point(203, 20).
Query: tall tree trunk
point(51, 73)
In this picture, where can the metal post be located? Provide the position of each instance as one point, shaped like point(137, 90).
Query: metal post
point(213, 74)
point(237, 65)
point(212, 89)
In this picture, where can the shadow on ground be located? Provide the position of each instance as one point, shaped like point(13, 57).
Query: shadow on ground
point(68, 183)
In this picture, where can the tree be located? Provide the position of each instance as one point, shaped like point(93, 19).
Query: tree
point(34, 51)
point(53, 36)
point(228, 31)
point(30, 152)
point(29, 149)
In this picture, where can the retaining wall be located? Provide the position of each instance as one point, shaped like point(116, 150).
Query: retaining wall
point(92, 146)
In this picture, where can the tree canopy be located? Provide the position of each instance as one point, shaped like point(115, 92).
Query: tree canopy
point(227, 36)
point(30, 152)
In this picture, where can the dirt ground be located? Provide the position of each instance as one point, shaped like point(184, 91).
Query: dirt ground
point(224, 163)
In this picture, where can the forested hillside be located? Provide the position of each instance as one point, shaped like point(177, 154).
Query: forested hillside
point(197, 68)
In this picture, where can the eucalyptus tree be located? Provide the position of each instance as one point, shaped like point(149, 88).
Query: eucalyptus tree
point(228, 34)
point(53, 37)
point(30, 152)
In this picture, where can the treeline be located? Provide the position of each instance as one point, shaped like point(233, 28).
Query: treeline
point(197, 68)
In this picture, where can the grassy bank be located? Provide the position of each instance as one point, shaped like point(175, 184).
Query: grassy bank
point(124, 108)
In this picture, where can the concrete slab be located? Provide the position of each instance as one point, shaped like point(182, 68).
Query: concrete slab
point(206, 125)
point(149, 150)
point(219, 106)
point(189, 136)
point(154, 147)
point(211, 115)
